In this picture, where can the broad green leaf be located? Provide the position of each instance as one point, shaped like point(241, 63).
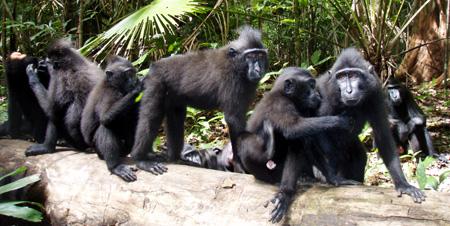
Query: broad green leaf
point(444, 176)
point(315, 57)
point(433, 182)
point(19, 183)
point(15, 172)
point(421, 175)
point(22, 212)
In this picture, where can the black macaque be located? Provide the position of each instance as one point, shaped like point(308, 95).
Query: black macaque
point(210, 158)
point(110, 116)
point(25, 116)
point(408, 122)
point(280, 135)
point(72, 77)
point(352, 88)
point(224, 79)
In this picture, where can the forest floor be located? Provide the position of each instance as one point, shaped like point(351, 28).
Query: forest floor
point(436, 105)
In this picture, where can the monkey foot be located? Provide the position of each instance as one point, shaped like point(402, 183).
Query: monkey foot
point(281, 202)
point(416, 194)
point(38, 149)
point(153, 167)
point(125, 172)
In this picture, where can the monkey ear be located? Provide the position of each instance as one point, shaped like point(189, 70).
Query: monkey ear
point(217, 151)
point(371, 70)
point(232, 52)
point(289, 87)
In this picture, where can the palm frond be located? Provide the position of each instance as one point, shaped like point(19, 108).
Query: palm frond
point(159, 18)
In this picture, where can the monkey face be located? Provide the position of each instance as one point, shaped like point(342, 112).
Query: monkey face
point(256, 60)
point(300, 86)
point(394, 96)
point(351, 83)
point(252, 62)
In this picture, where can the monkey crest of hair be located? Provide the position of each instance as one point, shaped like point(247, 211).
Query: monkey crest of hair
point(117, 61)
point(248, 38)
point(288, 73)
point(59, 45)
point(351, 57)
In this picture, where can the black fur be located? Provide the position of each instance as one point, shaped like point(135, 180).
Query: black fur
point(25, 116)
point(351, 87)
point(407, 120)
point(211, 158)
point(71, 79)
point(280, 133)
point(109, 118)
point(224, 79)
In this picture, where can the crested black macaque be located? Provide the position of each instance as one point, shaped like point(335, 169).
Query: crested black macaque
point(280, 135)
point(71, 79)
point(25, 116)
point(224, 79)
point(109, 118)
point(210, 158)
point(408, 122)
point(352, 88)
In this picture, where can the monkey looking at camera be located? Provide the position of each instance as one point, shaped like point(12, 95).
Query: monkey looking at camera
point(280, 135)
point(224, 79)
point(110, 115)
point(71, 79)
point(407, 120)
point(352, 87)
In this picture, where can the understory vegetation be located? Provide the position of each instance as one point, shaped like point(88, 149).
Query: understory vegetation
point(305, 33)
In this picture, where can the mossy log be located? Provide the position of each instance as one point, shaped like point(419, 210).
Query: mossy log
point(77, 189)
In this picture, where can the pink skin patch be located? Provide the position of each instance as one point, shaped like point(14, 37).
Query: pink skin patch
point(271, 165)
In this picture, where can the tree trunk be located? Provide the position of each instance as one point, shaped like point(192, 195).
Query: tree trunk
point(426, 62)
point(77, 189)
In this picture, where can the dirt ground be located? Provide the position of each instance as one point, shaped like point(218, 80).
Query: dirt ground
point(435, 104)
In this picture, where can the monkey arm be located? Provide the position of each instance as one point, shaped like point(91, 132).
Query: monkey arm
point(386, 146)
point(118, 108)
point(300, 127)
point(38, 89)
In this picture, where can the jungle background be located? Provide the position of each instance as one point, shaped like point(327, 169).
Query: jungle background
point(402, 38)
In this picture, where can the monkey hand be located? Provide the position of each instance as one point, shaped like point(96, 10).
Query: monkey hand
point(281, 201)
point(156, 168)
point(32, 74)
point(416, 194)
point(42, 66)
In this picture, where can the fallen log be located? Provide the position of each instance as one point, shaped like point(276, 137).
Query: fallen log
point(77, 189)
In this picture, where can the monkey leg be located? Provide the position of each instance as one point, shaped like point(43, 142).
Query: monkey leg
point(151, 114)
point(49, 144)
point(109, 146)
point(354, 167)
point(174, 129)
point(72, 123)
point(236, 125)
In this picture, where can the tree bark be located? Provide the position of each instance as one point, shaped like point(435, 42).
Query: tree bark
point(426, 62)
point(77, 189)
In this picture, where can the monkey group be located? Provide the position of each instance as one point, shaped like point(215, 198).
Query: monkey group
point(302, 127)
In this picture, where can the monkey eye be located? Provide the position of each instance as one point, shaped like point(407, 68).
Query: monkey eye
point(341, 75)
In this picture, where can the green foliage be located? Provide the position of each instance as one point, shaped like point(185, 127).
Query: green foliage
point(424, 180)
point(205, 128)
point(142, 28)
point(16, 208)
point(365, 135)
